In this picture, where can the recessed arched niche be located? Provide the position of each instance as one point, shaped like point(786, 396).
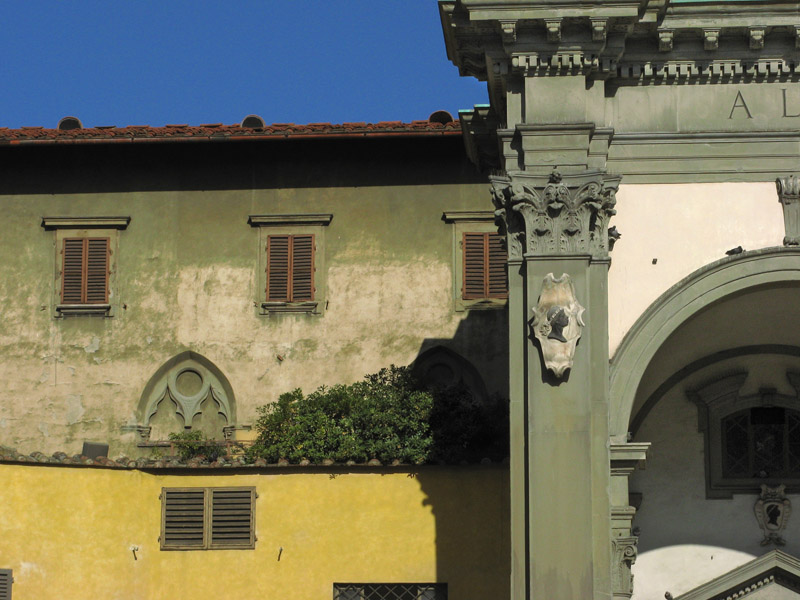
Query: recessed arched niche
point(187, 393)
point(442, 367)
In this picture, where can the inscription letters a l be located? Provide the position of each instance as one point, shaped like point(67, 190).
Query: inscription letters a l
point(785, 114)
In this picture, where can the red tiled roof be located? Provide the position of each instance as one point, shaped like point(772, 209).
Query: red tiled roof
point(219, 132)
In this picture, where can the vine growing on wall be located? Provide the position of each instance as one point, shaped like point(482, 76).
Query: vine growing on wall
point(389, 416)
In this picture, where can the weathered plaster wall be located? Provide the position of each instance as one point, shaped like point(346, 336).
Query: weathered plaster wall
point(69, 529)
point(686, 539)
point(682, 227)
point(187, 279)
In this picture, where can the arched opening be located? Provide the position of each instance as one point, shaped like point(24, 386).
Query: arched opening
point(709, 376)
point(188, 392)
point(441, 367)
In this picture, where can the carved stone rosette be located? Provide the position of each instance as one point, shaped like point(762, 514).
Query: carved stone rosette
point(555, 215)
point(789, 196)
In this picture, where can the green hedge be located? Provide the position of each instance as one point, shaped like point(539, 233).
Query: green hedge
point(388, 416)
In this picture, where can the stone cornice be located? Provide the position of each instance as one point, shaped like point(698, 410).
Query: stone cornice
point(50, 223)
point(280, 220)
point(557, 214)
point(633, 42)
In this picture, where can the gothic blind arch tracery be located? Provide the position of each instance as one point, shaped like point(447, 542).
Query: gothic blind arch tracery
point(186, 392)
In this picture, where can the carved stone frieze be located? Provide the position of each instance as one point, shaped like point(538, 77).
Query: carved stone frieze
point(789, 196)
point(557, 323)
point(555, 215)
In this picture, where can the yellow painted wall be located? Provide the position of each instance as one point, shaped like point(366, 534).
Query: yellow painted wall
point(67, 532)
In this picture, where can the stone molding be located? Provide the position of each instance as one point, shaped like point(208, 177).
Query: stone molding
point(789, 197)
point(555, 215)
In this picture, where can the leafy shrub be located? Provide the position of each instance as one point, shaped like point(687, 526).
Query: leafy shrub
point(191, 444)
point(388, 416)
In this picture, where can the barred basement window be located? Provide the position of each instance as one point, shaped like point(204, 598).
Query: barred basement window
point(207, 518)
point(484, 265)
point(389, 591)
point(5, 584)
point(290, 268)
point(84, 271)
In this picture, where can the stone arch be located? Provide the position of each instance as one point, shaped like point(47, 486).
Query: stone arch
point(190, 384)
point(687, 298)
point(442, 366)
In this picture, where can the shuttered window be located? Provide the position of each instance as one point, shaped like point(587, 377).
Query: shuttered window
point(290, 268)
point(207, 518)
point(84, 272)
point(5, 584)
point(485, 274)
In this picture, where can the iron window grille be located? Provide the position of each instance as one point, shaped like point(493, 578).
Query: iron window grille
point(390, 591)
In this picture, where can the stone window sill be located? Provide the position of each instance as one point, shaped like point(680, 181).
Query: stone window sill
point(279, 308)
point(69, 310)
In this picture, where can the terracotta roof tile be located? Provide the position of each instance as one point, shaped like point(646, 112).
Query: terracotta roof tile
point(131, 133)
point(11, 456)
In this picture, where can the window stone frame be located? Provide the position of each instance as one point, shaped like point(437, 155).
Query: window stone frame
point(291, 224)
point(85, 227)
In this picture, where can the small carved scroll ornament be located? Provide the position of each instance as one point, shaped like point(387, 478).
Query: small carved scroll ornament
point(557, 323)
point(772, 512)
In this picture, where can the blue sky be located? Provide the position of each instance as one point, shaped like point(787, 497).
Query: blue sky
point(143, 62)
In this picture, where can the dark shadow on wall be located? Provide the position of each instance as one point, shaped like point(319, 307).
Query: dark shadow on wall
point(473, 525)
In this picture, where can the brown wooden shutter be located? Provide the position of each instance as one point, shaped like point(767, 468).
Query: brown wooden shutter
point(183, 518)
point(96, 271)
point(497, 284)
point(84, 272)
point(278, 260)
point(72, 271)
point(484, 273)
point(232, 518)
point(6, 580)
point(290, 268)
point(302, 268)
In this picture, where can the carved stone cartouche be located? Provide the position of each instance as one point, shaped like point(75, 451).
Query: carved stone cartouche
point(557, 323)
point(772, 512)
point(789, 196)
point(555, 215)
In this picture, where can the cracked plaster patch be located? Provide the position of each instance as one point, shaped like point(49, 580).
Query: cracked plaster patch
point(93, 346)
point(74, 410)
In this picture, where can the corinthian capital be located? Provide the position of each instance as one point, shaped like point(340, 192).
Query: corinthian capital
point(555, 214)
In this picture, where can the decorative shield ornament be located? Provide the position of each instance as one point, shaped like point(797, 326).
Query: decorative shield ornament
point(557, 323)
point(772, 512)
